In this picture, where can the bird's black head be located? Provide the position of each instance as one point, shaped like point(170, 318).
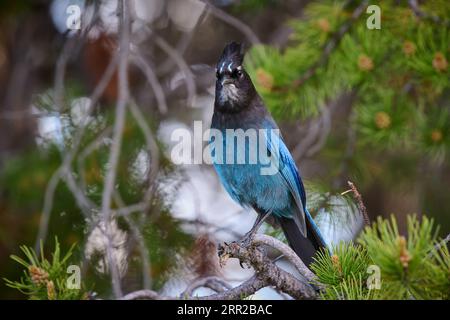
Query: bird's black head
point(234, 88)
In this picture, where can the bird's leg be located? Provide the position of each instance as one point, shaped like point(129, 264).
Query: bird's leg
point(247, 239)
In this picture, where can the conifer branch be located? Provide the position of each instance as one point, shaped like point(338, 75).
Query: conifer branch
point(329, 47)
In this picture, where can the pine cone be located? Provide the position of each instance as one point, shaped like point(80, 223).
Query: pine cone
point(436, 135)
point(404, 253)
point(365, 63)
point(336, 262)
point(38, 275)
point(51, 292)
point(439, 62)
point(324, 25)
point(264, 79)
point(382, 120)
point(409, 48)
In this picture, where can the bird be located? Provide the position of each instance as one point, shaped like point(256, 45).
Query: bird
point(279, 196)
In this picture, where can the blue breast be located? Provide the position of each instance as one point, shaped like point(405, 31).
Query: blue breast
point(245, 183)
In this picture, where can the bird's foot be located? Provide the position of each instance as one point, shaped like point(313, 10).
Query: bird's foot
point(224, 255)
point(247, 240)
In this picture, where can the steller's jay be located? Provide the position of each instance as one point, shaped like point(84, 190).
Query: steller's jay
point(281, 195)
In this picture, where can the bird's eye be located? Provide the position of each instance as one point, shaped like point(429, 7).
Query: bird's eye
point(236, 73)
point(217, 74)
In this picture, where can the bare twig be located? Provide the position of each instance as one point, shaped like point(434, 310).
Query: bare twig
point(144, 294)
point(120, 112)
point(439, 245)
point(125, 211)
point(240, 292)
point(124, 43)
point(153, 81)
point(246, 289)
point(236, 23)
point(166, 66)
point(177, 58)
point(360, 203)
point(414, 5)
point(83, 202)
point(213, 283)
point(445, 240)
point(89, 149)
point(72, 44)
point(182, 65)
point(143, 250)
point(152, 149)
point(48, 206)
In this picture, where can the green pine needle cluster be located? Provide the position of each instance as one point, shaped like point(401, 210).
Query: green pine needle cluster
point(399, 73)
point(46, 279)
point(412, 267)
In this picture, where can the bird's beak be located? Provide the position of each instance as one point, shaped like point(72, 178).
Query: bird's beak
point(226, 81)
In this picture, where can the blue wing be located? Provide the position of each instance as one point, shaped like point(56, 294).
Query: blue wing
point(291, 177)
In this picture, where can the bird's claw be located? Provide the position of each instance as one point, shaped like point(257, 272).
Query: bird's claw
point(247, 240)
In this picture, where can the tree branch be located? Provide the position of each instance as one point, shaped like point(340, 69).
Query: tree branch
point(414, 5)
point(328, 48)
point(232, 21)
point(266, 270)
point(360, 203)
point(123, 8)
point(244, 290)
point(287, 252)
point(213, 283)
point(267, 273)
point(153, 81)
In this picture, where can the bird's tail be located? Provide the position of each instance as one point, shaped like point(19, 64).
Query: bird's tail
point(304, 247)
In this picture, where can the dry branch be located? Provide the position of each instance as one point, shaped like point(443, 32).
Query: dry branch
point(287, 252)
point(232, 21)
point(124, 41)
point(360, 203)
point(213, 283)
point(267, 273)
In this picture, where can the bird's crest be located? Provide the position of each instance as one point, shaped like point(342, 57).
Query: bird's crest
point(232, 57)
